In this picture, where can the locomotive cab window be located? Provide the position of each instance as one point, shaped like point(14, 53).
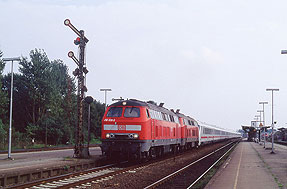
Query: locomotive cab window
point(132, 112)
point(115, 112)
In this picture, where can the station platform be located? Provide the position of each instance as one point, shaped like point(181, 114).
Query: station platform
point(28, 166)
point(251, 165)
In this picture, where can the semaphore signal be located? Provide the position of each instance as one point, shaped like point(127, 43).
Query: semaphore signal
point(80, 151)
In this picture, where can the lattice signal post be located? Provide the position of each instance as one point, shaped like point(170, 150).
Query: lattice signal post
point(81, 41)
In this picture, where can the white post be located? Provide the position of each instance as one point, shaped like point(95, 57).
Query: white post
point(272, 119)
point(11, 104)
point(106, 90)
point(10, 121)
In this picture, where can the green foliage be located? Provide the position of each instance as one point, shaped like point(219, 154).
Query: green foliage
point(2, 135)
point(3, 95)
point(97, 113)
point(31, 130)
point(3, 107)
point(36, 79)
point(44, 103)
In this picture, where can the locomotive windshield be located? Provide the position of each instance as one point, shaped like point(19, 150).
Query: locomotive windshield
point(115, 112)
point(132, 112)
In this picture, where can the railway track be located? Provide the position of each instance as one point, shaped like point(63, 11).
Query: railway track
point(69, 180)
point(190, 175)
point(101, 175)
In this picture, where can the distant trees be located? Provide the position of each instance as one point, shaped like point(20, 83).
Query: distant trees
point(44, 100)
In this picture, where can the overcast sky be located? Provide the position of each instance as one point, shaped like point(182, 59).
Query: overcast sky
point(211, 59)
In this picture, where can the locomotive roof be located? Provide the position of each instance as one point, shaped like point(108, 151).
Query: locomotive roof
point(184, 116)
point(131, 102)
point(134, 102)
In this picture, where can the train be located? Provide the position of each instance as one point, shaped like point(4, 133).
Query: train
point(140, 129)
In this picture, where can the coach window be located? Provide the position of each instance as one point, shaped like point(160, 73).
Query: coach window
point(163, 116)
point(176, 119)
point(132, 112)
point(115, 112)
point(150, 113)
point(167, 117)
point(153, 114)
point(156, 115)
point(171, 118)
point(147, 113)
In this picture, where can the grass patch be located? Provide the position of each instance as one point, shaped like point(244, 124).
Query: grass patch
point(268, 168)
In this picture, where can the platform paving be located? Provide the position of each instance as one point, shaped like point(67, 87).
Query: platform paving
point(252, 166)
point(29, 166)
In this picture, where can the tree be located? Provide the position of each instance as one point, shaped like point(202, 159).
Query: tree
point(42, 86)
point(97, 113)
point(44, 101)
point(62, 104)
point(3, 95)
point(36, 79)
point(3, 105)
point(21, 101)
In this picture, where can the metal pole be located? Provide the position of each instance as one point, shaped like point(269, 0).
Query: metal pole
point(259, 128)
point(264, 124)
point(81, 90)
point(79, 148)
point(264, 129)
point(106, 90)
point(11, 106)
point(46, 136)
point(272, 152)
point(105, 100)
point(89, 100)
point(272, 126)
point(89, 125)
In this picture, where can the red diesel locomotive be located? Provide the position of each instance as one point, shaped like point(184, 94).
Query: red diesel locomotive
point(144, 129)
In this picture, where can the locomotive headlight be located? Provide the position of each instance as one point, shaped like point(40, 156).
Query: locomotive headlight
point(108, 135)
point(136, 136)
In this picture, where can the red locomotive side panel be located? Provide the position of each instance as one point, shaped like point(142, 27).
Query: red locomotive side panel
point(164, 130)
point(189, 131)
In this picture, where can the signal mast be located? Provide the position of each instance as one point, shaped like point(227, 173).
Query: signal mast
point(79, 150)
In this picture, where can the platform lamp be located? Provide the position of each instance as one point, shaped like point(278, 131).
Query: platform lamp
point(11, 102)
point(264, 132)
point(260, 124)
point(106, 90)
point(272, 125)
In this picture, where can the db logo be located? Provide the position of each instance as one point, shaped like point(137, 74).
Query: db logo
point(121, 127)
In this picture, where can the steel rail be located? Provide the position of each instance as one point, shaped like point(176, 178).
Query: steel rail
point(211, 166)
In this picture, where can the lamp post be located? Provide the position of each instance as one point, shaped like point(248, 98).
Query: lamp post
point(272, 124)
point(106, 90)
point(46, 132)
point(257, 117)
point(11, 103)
point(264, 132)
point(260, 124)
